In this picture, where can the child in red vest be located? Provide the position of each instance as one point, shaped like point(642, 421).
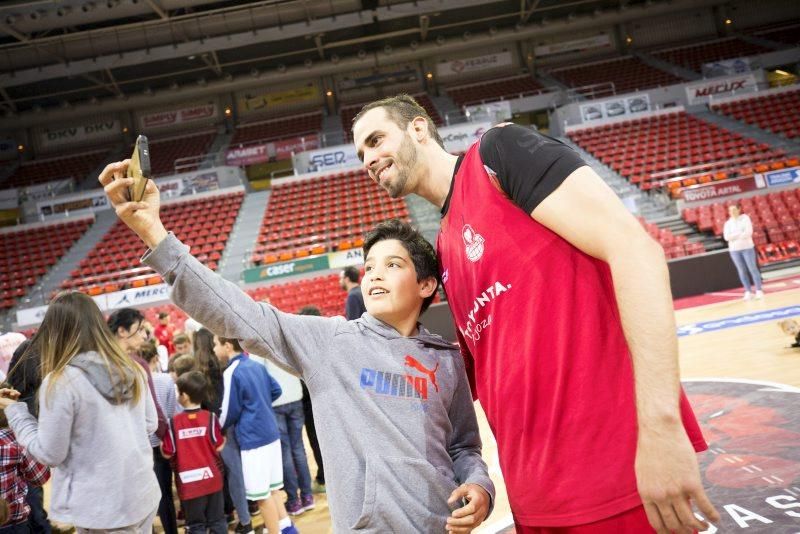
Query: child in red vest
point(193, 443)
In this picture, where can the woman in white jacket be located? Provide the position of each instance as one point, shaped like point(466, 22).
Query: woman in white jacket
point(95, 414)
point(738, 232)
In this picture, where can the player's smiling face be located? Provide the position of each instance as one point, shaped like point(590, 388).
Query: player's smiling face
point(388, 152)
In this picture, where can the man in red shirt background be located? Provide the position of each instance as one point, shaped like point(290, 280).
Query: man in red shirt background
point(594, 432)
point(164, 331)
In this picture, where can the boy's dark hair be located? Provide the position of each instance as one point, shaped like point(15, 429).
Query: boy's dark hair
point(421, 252)
point(351, 273)
point(124, 318)
point(310, 310)
point(148, 351)
point(402, 109)
point(234, 343)
point(163, 315)
point(180, 339)
point(194, 384)
point(185, 363)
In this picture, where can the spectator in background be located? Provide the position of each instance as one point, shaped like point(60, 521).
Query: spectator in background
point(354, 304)
point(318, 485)
point(738, 232)
point(94, 418)
point(19, 472)
point(24, 376)
point(167, 401)
point(164, 331)
point(183, 344)
point(208, 364)
point(8, 344)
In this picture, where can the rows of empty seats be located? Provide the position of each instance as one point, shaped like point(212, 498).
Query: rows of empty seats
point(49, 168)
point(279, 128)
point(165, 152)
point(694, 56)
point(349, 112)
point(675, 246)
point(29, 253)
point(113, 264)
point(775, 217)
point(628, 74)
point(493, 90)
point(675, 150)
point(323, 214)
point(778, 113)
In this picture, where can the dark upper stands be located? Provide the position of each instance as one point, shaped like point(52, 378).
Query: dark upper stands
point(493, 90)
point(29, 252)
point(694, 56)
point(778, 113)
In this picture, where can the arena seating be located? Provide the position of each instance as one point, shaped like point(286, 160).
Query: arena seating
point(675, 246)
point(164, 152)
point(628, 74)
point(778, 113)
point(493, 90)
point(29, 253)
point(693, 57)
point(322, 214)
point(278, 128)
point(676, 150)
point(349, 112)
point(775, 217)
point(113, 264)
point(49, 168)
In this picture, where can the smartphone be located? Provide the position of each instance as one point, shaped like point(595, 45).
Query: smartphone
point(139, 169)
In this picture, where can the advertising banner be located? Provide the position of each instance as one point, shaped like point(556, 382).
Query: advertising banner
point(345, 258)
point(724, 188)
point(289, 268)
point(80, 133)
point(9, 199)
point(727, 67)
point(376, 80)
point(575, 45)
point(493, 112)
point(473, 64)
point(615, 107)
point(161, 119)
point(333, 157)
point(459, 137)
point(263, 152)
point(782, 177)
point(297, 95)
point(697, 93)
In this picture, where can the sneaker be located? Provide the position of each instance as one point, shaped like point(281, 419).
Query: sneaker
point(291, 529)
point(294, 507)
point(244, 529)
point(316, 487)
point(308, 502)
point(747, 295)
point(759, 294)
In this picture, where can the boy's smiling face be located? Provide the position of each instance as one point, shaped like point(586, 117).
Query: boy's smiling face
point(390, 287)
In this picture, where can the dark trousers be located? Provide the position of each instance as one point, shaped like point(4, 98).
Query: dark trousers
point(206, 512)
point(19, 528)
point(38, 518)
point(311, 431)
point(166, 506)
point(296, 476)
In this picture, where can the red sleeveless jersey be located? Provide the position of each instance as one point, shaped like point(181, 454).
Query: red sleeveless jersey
point(540, 329)
point(192, 442)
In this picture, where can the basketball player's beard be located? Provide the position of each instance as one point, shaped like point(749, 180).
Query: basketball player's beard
point(404, 165)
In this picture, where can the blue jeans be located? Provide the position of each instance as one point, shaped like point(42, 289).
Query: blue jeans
point(745, 261)
point(232, 457)
point(296, 474)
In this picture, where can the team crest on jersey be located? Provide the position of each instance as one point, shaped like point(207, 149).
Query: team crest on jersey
point(474, 243)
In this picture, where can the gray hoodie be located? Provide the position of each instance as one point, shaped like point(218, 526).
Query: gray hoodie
point(394, 414)
point(103, 476)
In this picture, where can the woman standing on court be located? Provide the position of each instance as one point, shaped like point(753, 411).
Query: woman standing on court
point(95, 415)
point(738, 232)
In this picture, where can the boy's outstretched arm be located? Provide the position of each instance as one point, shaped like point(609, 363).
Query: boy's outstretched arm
point(476, 489)
point(292, 342)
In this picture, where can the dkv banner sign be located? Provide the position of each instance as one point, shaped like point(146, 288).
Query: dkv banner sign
point(68, 135)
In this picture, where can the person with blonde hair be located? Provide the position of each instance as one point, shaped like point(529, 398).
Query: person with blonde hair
point(94, 419)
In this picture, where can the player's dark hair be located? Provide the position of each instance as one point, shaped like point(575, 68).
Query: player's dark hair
point(422, 253)
point(402, 109)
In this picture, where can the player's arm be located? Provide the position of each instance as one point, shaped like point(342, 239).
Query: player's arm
point(291, 341)
point(586, 212)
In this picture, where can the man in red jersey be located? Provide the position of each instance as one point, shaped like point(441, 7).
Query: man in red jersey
point(594, 432)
